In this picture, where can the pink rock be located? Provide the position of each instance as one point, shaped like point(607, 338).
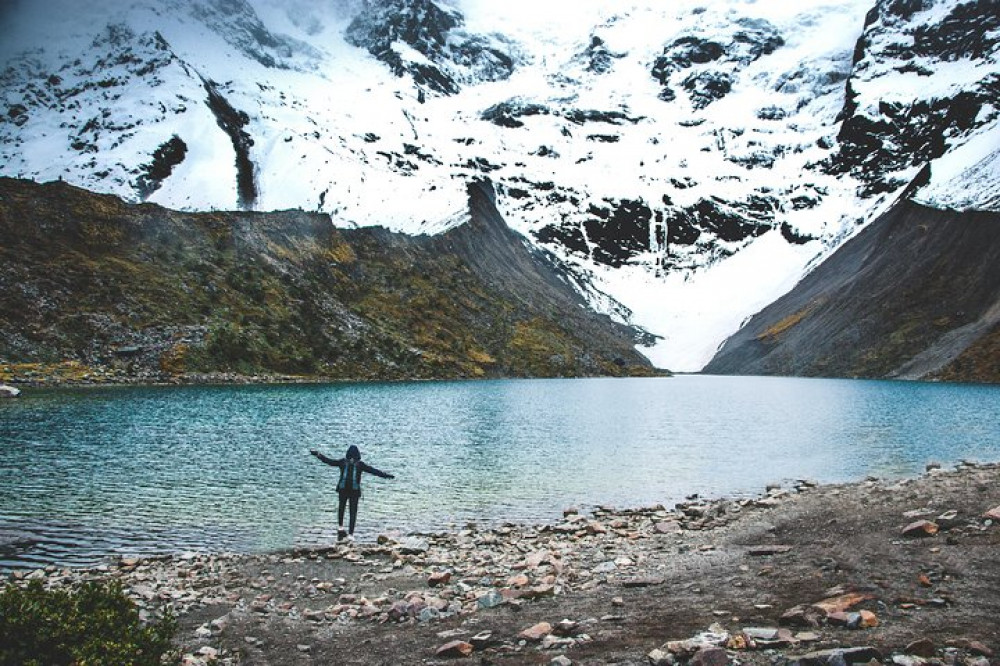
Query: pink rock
point(869, 620)
point(520, 580)
point(455, 649)
point(536, 632)
point(920, 529)
point(439, 578)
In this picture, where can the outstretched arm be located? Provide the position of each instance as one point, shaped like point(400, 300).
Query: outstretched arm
point(377, 472)
point(328, 461)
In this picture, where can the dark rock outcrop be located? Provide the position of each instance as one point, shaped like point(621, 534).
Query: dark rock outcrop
point(165, 158)
point(916, 294)
point(232, 123)
point(453, 56)
point(876, 143)
point(708, 66)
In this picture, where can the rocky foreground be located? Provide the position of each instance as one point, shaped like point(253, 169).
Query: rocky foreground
point(877, 572)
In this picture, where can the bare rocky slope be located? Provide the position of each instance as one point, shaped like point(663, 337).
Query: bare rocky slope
point(94, 289)
point(914, 295)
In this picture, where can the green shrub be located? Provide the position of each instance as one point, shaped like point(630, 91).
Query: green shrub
point(95, 624)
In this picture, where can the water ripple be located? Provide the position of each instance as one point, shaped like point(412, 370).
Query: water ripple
point(89, 473)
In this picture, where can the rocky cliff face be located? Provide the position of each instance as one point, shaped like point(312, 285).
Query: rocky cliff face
point(914, 295)
point(908, 44)
point(425, 41)
point(120, 291)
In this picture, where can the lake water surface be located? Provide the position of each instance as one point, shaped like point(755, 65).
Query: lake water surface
point(86, 473)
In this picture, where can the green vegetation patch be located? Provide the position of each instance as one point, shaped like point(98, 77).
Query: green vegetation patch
point(94, 625)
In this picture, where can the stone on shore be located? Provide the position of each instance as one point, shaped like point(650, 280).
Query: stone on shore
point(413, 546)
point(536, 632)
point(923, 647)
point(710, 656)
point(455, 649)
point(920, 529)
point(801, 616)
point(8, 391)
point(439, 578)
point(842, 602)
point(993, 514)
point(839, 657)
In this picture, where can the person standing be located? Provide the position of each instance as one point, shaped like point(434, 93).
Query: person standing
point(349, 485)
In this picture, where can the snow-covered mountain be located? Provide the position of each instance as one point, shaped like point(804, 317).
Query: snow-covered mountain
point(691, 161)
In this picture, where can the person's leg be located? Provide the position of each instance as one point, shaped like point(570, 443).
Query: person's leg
point(354, 511)
point(340, 514)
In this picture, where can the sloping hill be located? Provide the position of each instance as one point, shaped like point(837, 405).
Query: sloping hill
point(107, 290)
point(914, 295)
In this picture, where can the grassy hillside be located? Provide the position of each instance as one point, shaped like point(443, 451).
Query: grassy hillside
point(96, 289)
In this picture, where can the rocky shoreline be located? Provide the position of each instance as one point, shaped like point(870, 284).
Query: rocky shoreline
point(890, 572)
point(75, 374)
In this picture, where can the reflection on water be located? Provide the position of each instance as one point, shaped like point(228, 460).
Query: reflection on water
point(87, 473)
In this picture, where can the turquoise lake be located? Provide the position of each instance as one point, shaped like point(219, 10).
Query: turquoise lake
point(89, 473)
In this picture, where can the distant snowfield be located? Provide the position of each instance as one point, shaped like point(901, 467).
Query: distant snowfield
point(967, 177)
point(335, 131)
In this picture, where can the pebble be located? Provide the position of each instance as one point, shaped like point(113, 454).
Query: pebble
point(456, 648)
point(920, 529)
point(536, 632)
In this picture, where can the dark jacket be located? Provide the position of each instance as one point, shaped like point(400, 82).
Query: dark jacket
point(351, 468)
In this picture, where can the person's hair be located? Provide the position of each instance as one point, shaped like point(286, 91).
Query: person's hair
point(353, 453)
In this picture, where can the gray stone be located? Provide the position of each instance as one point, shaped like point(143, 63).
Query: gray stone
point(908, 660)
point(428, 614)
point(761, 633)
point(839, 657)
point(561, 660)
point(412, 545)
point(948, 520)
point(491, 599)
point(658, 657)
point(801, 616)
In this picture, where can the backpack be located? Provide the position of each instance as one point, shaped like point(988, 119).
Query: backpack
point(349, 474)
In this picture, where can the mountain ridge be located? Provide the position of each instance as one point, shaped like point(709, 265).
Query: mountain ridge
point(124, 292)
point(690, 163)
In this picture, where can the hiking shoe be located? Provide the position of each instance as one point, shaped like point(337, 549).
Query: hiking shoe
point(341, 535)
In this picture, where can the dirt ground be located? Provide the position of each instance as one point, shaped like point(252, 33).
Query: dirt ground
point(667, 585)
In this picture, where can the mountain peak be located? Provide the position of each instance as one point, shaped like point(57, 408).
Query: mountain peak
point(665, 152)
